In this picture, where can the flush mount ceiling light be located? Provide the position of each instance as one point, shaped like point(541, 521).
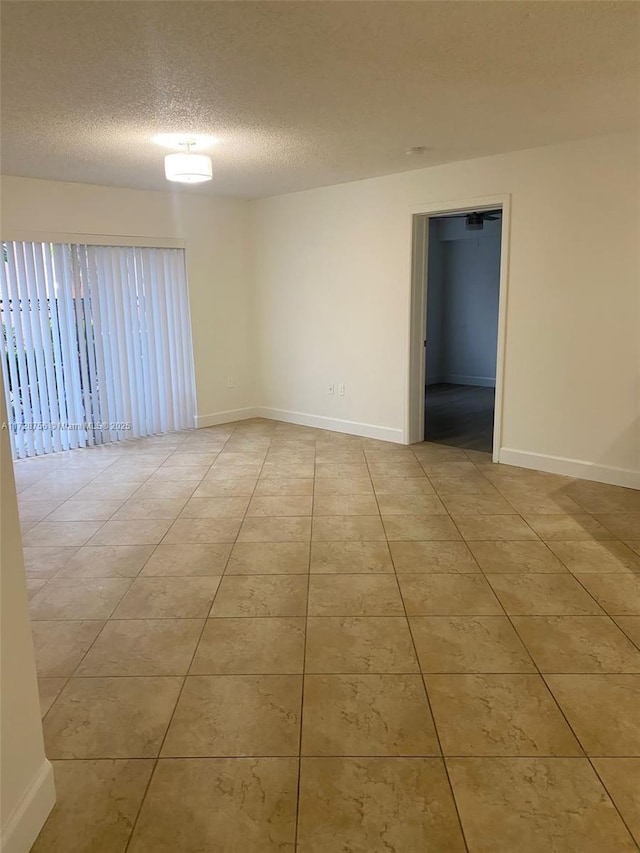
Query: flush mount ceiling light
point(175, 141)
point(186, 167)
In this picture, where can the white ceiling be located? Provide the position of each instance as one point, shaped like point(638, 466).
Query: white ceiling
point(305, 94)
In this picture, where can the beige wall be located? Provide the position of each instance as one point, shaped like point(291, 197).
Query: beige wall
point(26, 786)
point(332, 278)
point(215, 234)
point(292, 293)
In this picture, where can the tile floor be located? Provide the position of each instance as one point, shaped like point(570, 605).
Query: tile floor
point(262, 637)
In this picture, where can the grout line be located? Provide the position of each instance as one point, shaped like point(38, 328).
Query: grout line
point(304, 658)
point(173, 713)
point(68, 679)
point(430, 615)
point(625, 631)
point(95, 639)
point(613, 802)
point(434, 756)
point(428, 700)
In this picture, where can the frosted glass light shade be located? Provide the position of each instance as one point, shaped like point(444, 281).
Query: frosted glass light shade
point(188, 168)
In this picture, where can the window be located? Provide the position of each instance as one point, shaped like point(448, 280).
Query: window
point(97, 344)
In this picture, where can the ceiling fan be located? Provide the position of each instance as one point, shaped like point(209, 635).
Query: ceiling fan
point(475, 221)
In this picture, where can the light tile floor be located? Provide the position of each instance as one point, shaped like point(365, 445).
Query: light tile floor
point(262, 637)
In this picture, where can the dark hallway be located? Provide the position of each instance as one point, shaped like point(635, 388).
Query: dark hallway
point(463, 285)
point(460, 415)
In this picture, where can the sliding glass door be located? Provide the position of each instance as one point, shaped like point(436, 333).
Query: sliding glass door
point(97, 344)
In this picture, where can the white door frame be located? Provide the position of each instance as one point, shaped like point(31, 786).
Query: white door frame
point(420, 215)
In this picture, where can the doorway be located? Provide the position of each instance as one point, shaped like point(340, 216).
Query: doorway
point(458, 319)
point(463, 286)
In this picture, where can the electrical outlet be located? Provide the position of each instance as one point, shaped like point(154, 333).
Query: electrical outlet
point(230, 382)
point(332, 389)
point(341, 389)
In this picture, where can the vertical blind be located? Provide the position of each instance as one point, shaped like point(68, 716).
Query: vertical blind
point(97, 344)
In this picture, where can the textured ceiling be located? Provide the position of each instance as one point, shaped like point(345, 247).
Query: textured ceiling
point(304, 94)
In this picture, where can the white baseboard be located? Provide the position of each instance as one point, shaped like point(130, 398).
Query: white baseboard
point(225, 417)
point(23, 826)
point(571, 467)
point(331, 424)
point(460, 379)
